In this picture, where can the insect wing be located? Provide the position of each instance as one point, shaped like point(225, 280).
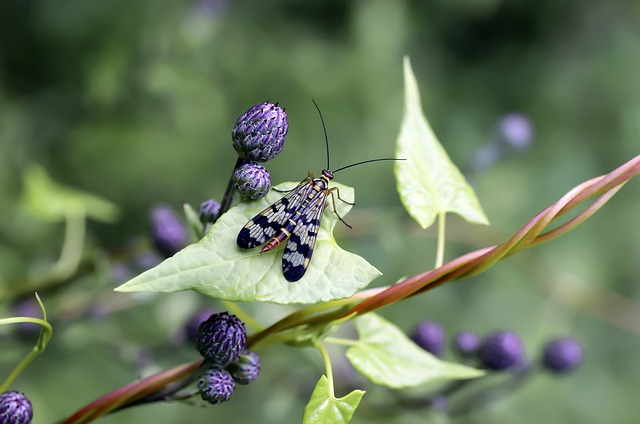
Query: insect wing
point(297, 253)
point(264, 225)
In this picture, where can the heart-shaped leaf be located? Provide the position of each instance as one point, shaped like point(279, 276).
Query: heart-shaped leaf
point(386, 356)
point(428, 182)
point(217, 267)
point(324, 408)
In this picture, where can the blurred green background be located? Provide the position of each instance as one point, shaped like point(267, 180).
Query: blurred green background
point(135, 101)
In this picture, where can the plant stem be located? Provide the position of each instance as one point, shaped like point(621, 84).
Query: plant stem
point(227, 199)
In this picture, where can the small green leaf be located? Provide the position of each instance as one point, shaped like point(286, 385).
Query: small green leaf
point(51, 201)
point(386, 356)
point(193, 219)
point(323, 407)
point(217, 267)
point(428, 182)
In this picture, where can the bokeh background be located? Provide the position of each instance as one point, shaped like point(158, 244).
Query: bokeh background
point(135, 101)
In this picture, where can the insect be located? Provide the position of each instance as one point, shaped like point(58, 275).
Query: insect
point(295, 218)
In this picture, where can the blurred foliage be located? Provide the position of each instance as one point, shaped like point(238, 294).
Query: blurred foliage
point(135, 101)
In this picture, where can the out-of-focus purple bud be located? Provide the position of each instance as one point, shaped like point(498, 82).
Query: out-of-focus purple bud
point(168, 232)
point(430, 336)
point(562, 355)
point(192, 326)
point(466, 343)
point(501, 350)
point(212, 7)
point(515, 131)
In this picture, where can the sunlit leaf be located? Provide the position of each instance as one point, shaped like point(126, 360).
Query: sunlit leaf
point(51, 201)
point(325, 408)
point(428, 182)
point(386, 356)
point(217, 267)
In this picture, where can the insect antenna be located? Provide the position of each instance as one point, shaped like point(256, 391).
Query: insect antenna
point(363, 162)
point(324, 128)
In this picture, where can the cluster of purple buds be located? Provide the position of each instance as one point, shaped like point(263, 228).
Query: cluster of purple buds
point(499, 351)
point(222, 342)
point(258, 136)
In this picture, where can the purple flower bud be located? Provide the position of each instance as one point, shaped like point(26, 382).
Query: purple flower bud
point(252, 180)
point(562, 355)
point(501, 350)
point(168, 232)
point(15, 408)
point(246, 369)
point(430, 336)
point(209, 210)
point(515, 131)
point(192, 327)
point(466, 343)
point(216, 385)
point(222, 339)
point(260, 132)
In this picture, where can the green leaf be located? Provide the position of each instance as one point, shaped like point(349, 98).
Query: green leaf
point(217, 267)
point(428, 182)
point(386, 356)
point(51, 201)
point(193, 219)
point(323, 407)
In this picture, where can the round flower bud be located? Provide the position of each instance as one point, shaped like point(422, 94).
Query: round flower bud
point(501, 350)
point(252, 180)
point(216, 385)
point(222, 338)
point(562, 355)
point(430, 336)
point(168, 232)
point(260, 132)
point(246, 369)
point(209, 210)
point(15, 408)
point(466, 343)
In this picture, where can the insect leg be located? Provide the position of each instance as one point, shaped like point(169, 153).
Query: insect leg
point(333, 201)
point(340, 198)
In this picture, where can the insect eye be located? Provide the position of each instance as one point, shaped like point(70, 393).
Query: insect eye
point(327, 174)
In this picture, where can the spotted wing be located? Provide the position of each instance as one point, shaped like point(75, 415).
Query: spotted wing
point(264, 225)
point(297, 253)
